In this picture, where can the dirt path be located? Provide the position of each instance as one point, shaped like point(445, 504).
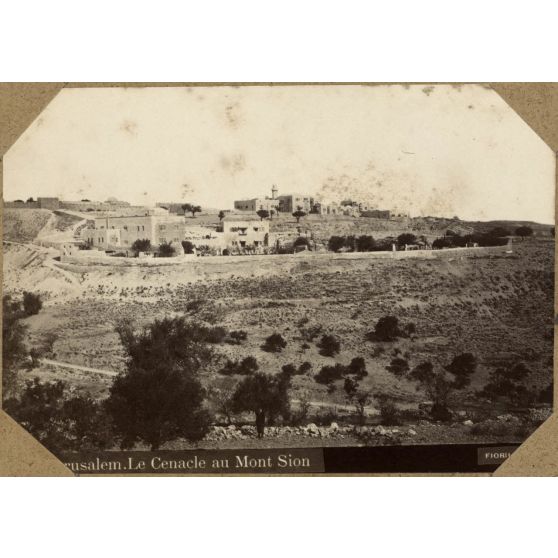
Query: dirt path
point(338, 406)
point(78, 367)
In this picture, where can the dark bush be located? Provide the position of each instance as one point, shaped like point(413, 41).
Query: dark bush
point(335, 243)
point(357, 368)
point(188, 247)
point(329, 374)
point(387, 329)
point(275, 343)
point(141, 245)
point(32, 303)
point(236, 337)
point(329, 345)
point(166, 250)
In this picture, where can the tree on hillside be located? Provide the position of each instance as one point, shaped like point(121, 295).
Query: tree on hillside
point(523, 232)
point(221, 215)
point(166, 250)
point(141, 245)
point(299, 213)
point(32, 303)
point(13, 343)
point(439, 384)
point(358, 397)
point(191, 208)
point(160, 397)
point(406, 238)
point(509, 382)
point(262, 214)
point(264, 395)
point(387, 329)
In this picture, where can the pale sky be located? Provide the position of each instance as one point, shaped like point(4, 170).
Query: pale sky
point(437, 150)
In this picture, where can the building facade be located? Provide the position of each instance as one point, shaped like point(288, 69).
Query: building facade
point(120, 233)
point(288, 203)
point(241, 232)
point(255, 204)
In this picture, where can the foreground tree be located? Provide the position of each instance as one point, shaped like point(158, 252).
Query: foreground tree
point(59, 420)
point(221, 215)
point(160, 398)
point(264, 395)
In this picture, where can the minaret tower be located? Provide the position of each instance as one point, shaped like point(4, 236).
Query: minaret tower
point(273, 192)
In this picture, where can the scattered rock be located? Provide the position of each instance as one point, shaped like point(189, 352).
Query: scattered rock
point(412, 432)
point(468, 423)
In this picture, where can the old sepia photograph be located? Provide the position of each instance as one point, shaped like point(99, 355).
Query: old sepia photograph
point(278, 267)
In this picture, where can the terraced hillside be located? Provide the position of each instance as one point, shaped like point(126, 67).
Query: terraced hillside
point(498, 306)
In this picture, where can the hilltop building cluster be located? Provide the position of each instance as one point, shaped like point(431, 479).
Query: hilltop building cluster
point(233, 233)
point(118, 226)
point(289, 203)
